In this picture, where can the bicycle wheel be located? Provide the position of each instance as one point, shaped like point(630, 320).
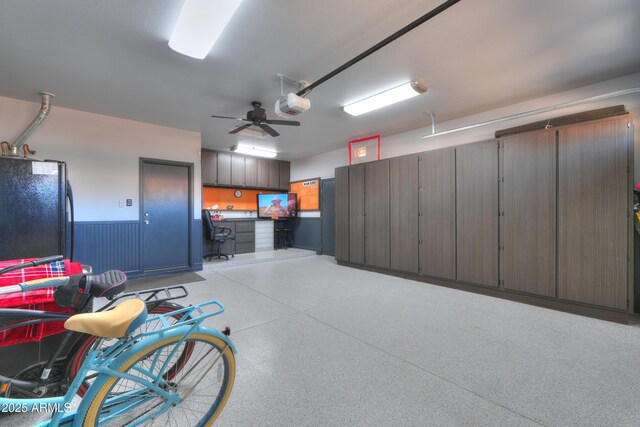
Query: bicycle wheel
point(203, 384)
point(87, 341)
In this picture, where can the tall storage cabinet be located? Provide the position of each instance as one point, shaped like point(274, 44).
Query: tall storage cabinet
point(377, 214)
point(528, 218)
point(403, 221)
point(594, 197)
point(437, 198)
point(543, 217)
point(477, 213)
point(342, 214)
point(356, 214)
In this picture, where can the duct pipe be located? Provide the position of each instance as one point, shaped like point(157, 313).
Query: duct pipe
point(539, 110)
point(45, 107)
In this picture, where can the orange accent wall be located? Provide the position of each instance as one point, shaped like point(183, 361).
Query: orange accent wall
point(308, 195)
point(224, 197)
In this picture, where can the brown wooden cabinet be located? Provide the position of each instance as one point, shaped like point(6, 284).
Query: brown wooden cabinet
point(284, 173)
point(404, 208)
point(437, 198)
point(221, 168)
point(263, 173)
point(356, 213)
point(250, 171)
point(209, 167)
point(541, 217)
point(594, 188)
point(377, 214)
point(224, 168)
point(528, 212)
point(274, 174)
point(477, 213)
point(237, 170)
point(342, 214)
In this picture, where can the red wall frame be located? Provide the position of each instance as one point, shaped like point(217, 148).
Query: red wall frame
point(355, 141)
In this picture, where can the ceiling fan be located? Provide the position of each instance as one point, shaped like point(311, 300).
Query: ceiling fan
point(258, 117)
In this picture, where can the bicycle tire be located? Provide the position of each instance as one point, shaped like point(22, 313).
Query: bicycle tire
point(86, 341)
point(105, 387)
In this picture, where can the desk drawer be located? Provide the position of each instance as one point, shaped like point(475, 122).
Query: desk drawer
point(245, 226)
point(245, 248)
point(245, 238)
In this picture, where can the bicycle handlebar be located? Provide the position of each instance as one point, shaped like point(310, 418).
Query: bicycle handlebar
point(34, 263)
point(35, 284)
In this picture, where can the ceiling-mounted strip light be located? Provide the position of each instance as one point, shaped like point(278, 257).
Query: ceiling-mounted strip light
point(253, 151)
point(388, 97)
point(200, 24)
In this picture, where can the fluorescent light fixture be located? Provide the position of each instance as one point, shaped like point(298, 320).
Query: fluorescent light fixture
point(200, 24)
point(253, 151)
point(382, 99)
point(251, 132)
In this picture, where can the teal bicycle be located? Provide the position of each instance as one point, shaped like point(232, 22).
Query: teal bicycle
point(154, 371)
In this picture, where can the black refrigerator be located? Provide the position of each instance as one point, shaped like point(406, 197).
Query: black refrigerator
point(34, 211)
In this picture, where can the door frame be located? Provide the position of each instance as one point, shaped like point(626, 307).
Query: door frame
point(322, 216)
point(164, 162)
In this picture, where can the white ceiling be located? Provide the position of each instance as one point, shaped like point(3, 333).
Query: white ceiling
point(111, 57)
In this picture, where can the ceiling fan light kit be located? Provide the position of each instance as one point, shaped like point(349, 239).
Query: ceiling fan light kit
point(253, 151)
point(199, 25)
point(385, 98)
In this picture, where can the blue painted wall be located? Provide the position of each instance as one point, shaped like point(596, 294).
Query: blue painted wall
point(107, 245)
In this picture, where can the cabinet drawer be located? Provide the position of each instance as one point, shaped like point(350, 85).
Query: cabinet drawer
point(244, 226)
point(245, 238)
point(245, 248)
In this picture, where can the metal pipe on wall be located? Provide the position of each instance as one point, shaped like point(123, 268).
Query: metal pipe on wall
point(45, 107)
point(608, 95)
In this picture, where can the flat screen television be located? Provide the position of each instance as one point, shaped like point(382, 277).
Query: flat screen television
point(283, 205)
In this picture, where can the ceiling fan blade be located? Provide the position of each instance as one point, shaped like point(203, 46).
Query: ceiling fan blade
point(283, 122)
point(239, 128)
point(268, 129)
point(227, 117)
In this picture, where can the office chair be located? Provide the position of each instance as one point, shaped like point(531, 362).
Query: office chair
point(216, 234)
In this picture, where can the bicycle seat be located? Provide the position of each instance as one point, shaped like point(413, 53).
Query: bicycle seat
point(105, 285)
point(116, 323)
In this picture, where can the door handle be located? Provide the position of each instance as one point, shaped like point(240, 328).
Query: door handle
point(146, 222)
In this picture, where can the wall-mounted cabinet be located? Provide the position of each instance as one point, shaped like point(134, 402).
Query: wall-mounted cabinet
point(220, 168)
point(224, 168)
point(237, 170)
point(541, 217)
point(209, 167)
point(251, 171)
point(284, 174)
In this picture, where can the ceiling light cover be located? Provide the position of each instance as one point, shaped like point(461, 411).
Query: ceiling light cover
point(251, 132)
point(388, 97)
point(200, 24)
point(253, 151)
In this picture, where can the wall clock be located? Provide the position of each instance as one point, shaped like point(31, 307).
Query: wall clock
point(237, 193)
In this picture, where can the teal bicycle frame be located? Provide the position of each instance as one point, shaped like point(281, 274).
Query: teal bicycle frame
point(106, 362)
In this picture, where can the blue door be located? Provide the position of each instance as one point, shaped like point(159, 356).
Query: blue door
point(165, 216)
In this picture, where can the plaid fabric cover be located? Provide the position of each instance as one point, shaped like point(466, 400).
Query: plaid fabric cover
point(41, 299)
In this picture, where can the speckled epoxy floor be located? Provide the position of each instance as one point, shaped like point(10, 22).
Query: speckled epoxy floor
point(321, 344)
